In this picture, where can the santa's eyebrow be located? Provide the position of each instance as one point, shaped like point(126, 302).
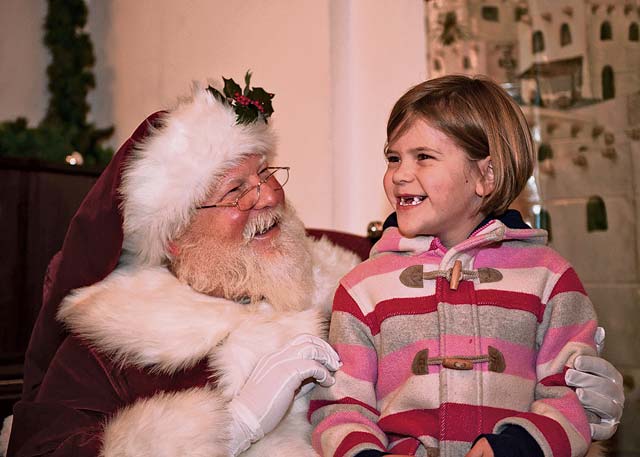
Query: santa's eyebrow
point(233, 181)
point(230, 184)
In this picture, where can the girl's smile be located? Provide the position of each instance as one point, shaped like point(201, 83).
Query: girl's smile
point(410, 200)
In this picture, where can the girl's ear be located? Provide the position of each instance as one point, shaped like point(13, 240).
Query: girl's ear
point(486, 183)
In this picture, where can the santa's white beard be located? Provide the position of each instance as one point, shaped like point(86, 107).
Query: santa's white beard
point(281, 276)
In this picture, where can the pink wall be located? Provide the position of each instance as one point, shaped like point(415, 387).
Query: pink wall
point(336, 67)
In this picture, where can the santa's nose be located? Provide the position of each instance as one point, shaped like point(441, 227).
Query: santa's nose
point(269, 197)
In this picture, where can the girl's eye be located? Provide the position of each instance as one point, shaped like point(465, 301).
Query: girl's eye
point(392, 159)
point(423, 156)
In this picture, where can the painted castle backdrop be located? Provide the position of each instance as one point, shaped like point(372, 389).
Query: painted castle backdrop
point(574, 67)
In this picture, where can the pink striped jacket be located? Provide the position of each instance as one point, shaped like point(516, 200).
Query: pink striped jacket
point(427, 368)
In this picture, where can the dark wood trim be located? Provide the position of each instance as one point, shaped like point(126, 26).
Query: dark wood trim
point(30, 164)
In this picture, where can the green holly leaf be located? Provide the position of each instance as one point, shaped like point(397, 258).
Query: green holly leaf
point(260, 95)
point(247, 82)
point(231, 88)
point(249, 112)
point(246, 114)
point(217, 94)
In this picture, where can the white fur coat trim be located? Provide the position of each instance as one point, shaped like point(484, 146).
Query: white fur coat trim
point(197, 423)
point(176, 166)
point(144, 316)
point(147, 318)
point(4, 435)
point(181, 423)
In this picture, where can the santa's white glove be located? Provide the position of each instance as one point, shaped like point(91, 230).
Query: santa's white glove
point(270, 389)
point(599, 389)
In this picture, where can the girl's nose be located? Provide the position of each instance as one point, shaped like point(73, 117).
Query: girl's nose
point(402, 174)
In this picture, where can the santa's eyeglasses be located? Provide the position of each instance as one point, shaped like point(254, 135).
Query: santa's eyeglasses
point(274, 177)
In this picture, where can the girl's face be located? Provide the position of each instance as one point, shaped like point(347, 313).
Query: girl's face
point(433, 185)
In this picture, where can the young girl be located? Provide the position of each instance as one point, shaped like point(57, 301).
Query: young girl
point(456, 333)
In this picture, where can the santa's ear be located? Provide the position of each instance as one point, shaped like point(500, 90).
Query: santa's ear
point(486, 183)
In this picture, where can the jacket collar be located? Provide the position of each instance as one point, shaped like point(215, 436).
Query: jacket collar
point(507, 227)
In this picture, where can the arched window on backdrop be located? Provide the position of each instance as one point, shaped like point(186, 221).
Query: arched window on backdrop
point(596, 214)
point(565, 35)
point(608, 83)
point(491, 13)
point(634, 32)
point(537, 41)
point(544, 152)
point(605, 31)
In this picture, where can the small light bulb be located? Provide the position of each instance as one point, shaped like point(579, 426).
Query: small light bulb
point(75, 158)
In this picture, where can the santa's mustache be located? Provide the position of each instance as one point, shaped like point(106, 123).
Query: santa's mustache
point(262, 221)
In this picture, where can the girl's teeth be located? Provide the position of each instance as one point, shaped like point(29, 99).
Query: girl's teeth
point(410, 201)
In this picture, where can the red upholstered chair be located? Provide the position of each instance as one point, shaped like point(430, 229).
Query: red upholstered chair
point(359, 244)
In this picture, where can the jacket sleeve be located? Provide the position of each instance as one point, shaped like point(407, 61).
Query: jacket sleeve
point(556, 419)
point(344, 416)
point(84, 408)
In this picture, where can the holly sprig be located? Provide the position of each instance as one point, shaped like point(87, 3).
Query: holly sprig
point(249, 103)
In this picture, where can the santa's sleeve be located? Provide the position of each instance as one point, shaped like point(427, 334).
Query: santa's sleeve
point(85, 409)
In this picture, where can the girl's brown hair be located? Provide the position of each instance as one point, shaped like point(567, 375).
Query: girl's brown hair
point(482, 119)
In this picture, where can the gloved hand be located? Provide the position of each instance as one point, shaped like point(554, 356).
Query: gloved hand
point(599, 389)
point(269, 390)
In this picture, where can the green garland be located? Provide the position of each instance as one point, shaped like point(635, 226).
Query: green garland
point(64, 128)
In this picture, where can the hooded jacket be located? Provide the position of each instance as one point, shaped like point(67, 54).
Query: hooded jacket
point(429, 367)
point(149, 366)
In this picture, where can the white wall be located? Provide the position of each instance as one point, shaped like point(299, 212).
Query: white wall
point(23, 60)
point(378, 50)
point(336, 67)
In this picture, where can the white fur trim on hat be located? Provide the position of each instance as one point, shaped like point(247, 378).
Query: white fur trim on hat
point(177, 165)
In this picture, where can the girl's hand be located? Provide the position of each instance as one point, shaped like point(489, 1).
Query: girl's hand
point(481, 449)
